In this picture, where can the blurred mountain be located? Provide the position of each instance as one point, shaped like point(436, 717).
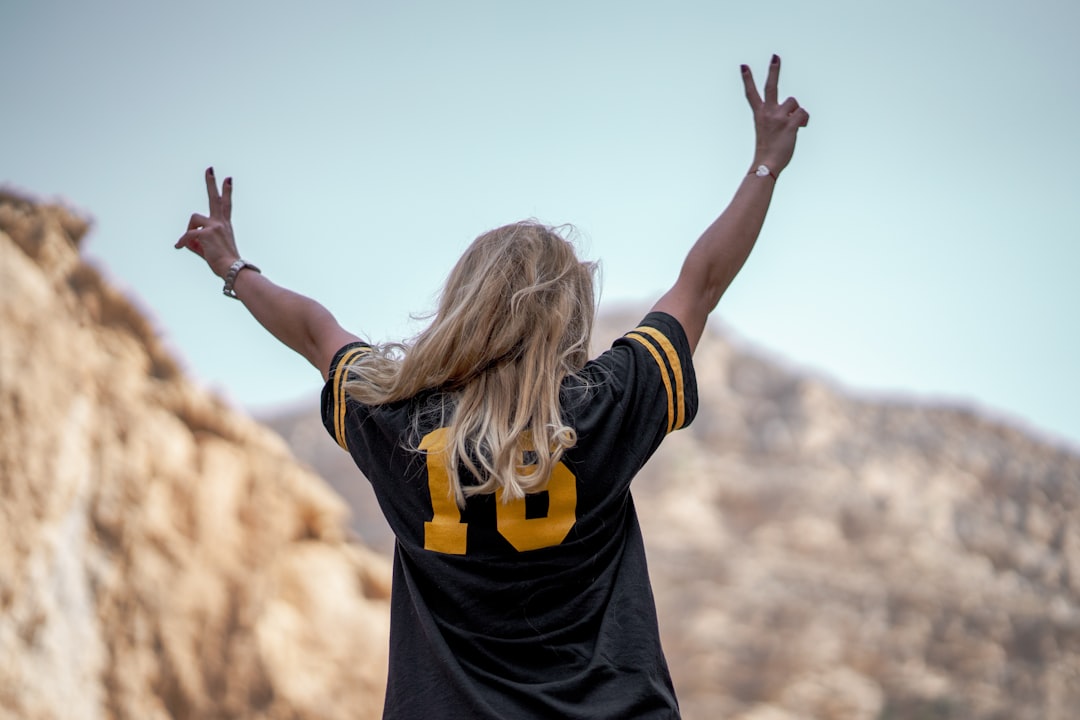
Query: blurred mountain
point(819, 555)
point(161, 555)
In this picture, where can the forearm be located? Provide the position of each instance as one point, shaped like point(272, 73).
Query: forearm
point(290, 317)
point(720, 252)
point(297, 321)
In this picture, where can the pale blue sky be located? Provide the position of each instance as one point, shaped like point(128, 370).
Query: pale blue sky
point(924, 241)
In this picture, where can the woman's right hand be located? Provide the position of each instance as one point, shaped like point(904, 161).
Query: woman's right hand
point(776, 124)
point(211, 238)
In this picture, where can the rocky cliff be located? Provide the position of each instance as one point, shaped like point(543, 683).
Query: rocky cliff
point(819, 555)
point(161, 555)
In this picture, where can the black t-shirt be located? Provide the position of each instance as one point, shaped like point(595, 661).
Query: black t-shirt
point(537, 608)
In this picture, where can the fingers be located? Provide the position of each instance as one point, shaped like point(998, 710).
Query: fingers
point(795, 112)
point(220, 212)
point(190, 240)
point(752, 96)
point(773, 80)
point(226, 199)
point(197, 221)
point(212, 193)
point(772, 83)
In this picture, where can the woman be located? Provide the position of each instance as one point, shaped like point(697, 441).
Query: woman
point(502, 459)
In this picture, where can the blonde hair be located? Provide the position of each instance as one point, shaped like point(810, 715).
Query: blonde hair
point(515, 318)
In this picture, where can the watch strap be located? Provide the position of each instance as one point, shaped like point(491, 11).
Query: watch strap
point(234, 271)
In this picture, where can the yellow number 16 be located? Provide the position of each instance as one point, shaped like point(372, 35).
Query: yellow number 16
point(446, 533)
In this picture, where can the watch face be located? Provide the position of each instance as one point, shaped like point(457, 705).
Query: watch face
point(762, 171)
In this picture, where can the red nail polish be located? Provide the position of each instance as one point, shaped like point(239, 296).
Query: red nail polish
point(210, 171)
point(228, 181)
point(775, 59)
point(744, 68)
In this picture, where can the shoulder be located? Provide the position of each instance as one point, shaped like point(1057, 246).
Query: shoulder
point(663, 337)
point(648, 371)
point(346, 355)
point(335, 401)
point(657, 342)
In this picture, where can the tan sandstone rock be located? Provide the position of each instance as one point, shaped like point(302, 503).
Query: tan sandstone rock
point(161, 555)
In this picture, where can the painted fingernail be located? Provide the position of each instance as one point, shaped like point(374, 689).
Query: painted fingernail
point(775, 59)
point(228, 181)
point(210, 171)
point(744, 68)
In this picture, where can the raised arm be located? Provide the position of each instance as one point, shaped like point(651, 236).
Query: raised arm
point(297, 321)
point(720, 252)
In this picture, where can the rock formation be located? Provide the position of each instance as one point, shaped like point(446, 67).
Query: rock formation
point(161, 555)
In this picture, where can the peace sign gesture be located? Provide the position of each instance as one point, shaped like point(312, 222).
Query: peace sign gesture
point(775, 124)
point(211, 238)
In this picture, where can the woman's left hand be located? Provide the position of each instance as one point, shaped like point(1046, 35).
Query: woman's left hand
point(211, 238)
point(776, 123)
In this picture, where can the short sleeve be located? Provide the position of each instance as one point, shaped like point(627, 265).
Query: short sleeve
point(666, 388)
point(335, 403)
point(640, 390)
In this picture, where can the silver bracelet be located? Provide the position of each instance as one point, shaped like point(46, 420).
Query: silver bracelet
point(230, 278)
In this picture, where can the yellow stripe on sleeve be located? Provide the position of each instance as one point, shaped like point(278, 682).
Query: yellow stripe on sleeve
point(339, 393)
point(663, 376)
point(676, 368)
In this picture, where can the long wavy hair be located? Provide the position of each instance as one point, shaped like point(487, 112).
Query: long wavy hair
point(515, 318)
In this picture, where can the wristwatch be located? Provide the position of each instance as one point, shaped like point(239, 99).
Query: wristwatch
point(763, 171)
point(230, 277)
